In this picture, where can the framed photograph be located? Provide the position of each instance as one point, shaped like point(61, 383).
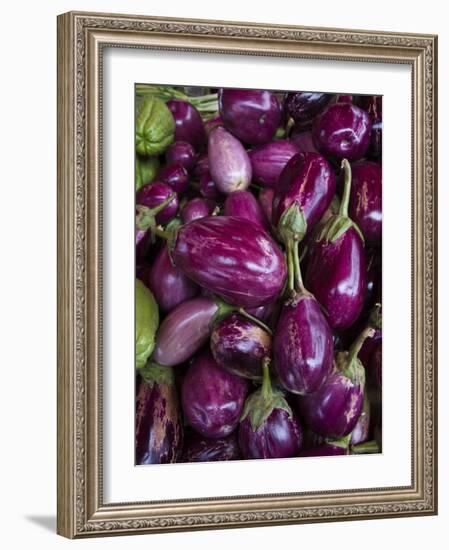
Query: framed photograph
point(247, 278)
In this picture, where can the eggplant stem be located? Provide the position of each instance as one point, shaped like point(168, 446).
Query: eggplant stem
point(358, 343)
point(344, 205)
point(365, 448)
point(296, 260)
point(254, 319)
point(291, 267)
point(266, 381)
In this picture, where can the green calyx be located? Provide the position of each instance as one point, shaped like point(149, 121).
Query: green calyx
point(155, 127)
point(146, 217)
point(147, 322)
point(375, 318)
point(224, 309)
point(292, 225)
point(349, 364)
point(263, 401)
point(153, 373)
point(343, 442)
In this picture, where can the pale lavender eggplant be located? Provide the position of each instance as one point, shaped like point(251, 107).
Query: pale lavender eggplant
point(251, 115)
point(159, 430)
point(343, 131)
point(232, 258)
point(184, 331)
point(183, 153)
point(266, 196)
point(153, 194)
point(189, 124)
point(208, 187)
point(303, 140)
point(169, 285)
point(202, 449)
point(212, 398)
point(268, 160)
point(303, 107)
point(239, 346)
point(229, 164)
point(176, 176)
point(325, 449)
point(365, 203)
point(243, 204)
point(195, 209)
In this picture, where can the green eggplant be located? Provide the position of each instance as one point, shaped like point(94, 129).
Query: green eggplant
point(147, 322)
point(155, 127)
point(146, 170)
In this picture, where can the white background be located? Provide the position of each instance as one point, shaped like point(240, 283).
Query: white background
point(28, 275)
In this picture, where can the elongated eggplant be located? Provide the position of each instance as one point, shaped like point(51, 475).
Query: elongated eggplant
point(195, 209)
point(176, 176)
point(212, 398)
point(243, 204)
point(303, 107)
point(203, 449)
point(158, 417)
point(251, 115)
point(336, 270)
point(189, 124)
point(268, 427)
point(229, 164)
point(233, 258)
point(269, 160)
point(183, 153)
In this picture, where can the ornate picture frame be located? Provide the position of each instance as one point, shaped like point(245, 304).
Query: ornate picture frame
point(81, 39)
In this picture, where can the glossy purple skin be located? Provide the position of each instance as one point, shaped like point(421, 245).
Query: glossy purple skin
point(189, 124)
point(176, 176)
point(368, 348)
point(143, 241)
point(203, 449)
point(265, 313)
point(304, 106)
point(239, 346)
point(336, 276)
point(303, 140)
point(233, 258)
point(184, 331)
point(229, 164)
point(268, 160)
point(212, 398)
point(365, 203)
point(201, 166)
point(343, 131)
point(243, 204)
point(266, 196)
point(212, 123)
point(183, 153)
point(251, 115)
point(279, 436)
point(153, 194)
point(334, 409)
point(195, 209)
point(325, 449)
point(208, 188)
point(158, 424)
point(307, 179)
point(303, 346)
point(372, 104)
point(169, 285)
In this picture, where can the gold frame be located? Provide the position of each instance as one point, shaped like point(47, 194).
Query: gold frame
point(81, 37)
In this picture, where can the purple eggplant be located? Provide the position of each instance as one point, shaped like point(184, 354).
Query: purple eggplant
point(243, 204)
point(372, 104)
point(159, 430)
point(202, 449)
point(143, 241)
point(229, 164)
point(251, 115)
point(325, 449)
point(303, 107)
point(334, 409)
point(189, 124)
point(336, 270)
point(176, 176)
point(212, 398)
point(365, 203)
point(233, 258)
point(208, 187)
point(360, 433)
point(184, 331)
point(370, 344)
point(212, 123)
point(342, 131)
point(266, 196)
point(303, 140)
point(201, 165)
point(268, 160)
point(239, 345)
point(183, 153)
point(169, 285)
point(153, 195)
point(268, 427)
point(195, 209)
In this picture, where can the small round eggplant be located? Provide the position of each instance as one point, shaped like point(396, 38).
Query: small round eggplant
point(233, 258)
point(365, 203)
point(343, 131)
point(243, 204)
point(189, 124)
point(153, 195)
point(208, 188)
point(195, 209)
point(203, 449)
point(176, 176)
point(201, 166)
point(229, 164)
point(239, 345)
point(268, 427)
point(183, 153)
point(169, 285)
point(268, 160)
point(159, 431)
point(303, 107)
point(251, 115)
point(212, 398)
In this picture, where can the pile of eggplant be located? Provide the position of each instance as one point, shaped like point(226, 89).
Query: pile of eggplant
point(258, 274)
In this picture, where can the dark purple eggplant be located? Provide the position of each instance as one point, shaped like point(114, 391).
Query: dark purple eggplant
point(251, 115)
point(268, 160)
point(176, 176)
point(153, 196)
point(183, 153)
point(243, 204)
point(143, 241)
point(229, 164)
point(195, 209)
point(201, 165)
point(158, 417)
point(372, 104)
point(169, 285)
point(303, 140)
point(268, 427)
point(303, 107)
point(334, 409)
point(365, 203)
point(212, 398)
point(343, 131)
point(202, 449)
point(239, 345)
point(189, 124)
point(208, 187)
point(233, 258)
point(266, 196)
point(361, 431)
point(336, 270)
point(325, 449)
